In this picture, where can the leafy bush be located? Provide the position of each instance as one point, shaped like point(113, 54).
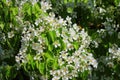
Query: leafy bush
point(41, 40)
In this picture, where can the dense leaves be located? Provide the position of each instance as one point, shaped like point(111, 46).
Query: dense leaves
point(59, 40)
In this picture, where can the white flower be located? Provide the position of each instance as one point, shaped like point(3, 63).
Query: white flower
point(34, 1)
point(64, 55)
point(45, 6)
point(61, 21)
point(70, 59)
point(77, 64)
point(102, 10)
point(38, 47)
point(51, 19)
point(65, 77)
point(68, 19)
point(20, 2)
point(76, 27)
point(55, 78)
point(73, 34)
point(37, 22)
point(92, 61)
point(74, 73)
point(38, 57)
point(95, 44)
point(113, 49)
point(57, 33)
point(20, 58)
point(69, 46)
point(64, 71)
point(56, 44)
point(10, 34)
point(64, 34)
point(115, 52)
point(61, 62)
point(102, 33)
point(56, 74)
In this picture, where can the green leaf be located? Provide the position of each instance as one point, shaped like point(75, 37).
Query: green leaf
point(48, 55)
point(63, 47)
point(14, 11)
point(69, 10)
point(50, 47)
point(49, 62)
point(52, 63)
point(46, 41)
point(24, 66)
point(41, 67)
point(76, 45)
point(29, 11)
point(52, 35)
point(65, 1)
point(36, 10)
point(9, 44)
point(2, 26)
point(37, 64)
point(8, 72)
point(55, 64)
point(31, 61)
point(117, 2)
point(27, 8)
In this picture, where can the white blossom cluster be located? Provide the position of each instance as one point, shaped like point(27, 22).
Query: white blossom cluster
point(47, 39)
point(79, 61)
point(74, 58)
point(29, 33)
point(114, 52)
point(102, 33)
point(110, 26)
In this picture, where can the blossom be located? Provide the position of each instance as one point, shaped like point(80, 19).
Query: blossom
point(38, 47)
point(64, 55)
point(115, 52)
point(69, 46)
point(20, 58)
point(45, 6)
point(64, 71)
point(61, 21)
point(55, 78)
point(101, 10)
point(102, 33)
point(68, 19)
point(11, 34)
point(61, 62)
point(71, 61)
point(56, 44)
point(56, 74)
point(37, 22)
point(73, 35)
point(76, 27)
point(34, 1)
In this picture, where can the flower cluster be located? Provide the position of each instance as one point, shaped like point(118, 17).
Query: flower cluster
point(48, 46)
point(114, 52)
point(79, 61)
point(66, 41)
